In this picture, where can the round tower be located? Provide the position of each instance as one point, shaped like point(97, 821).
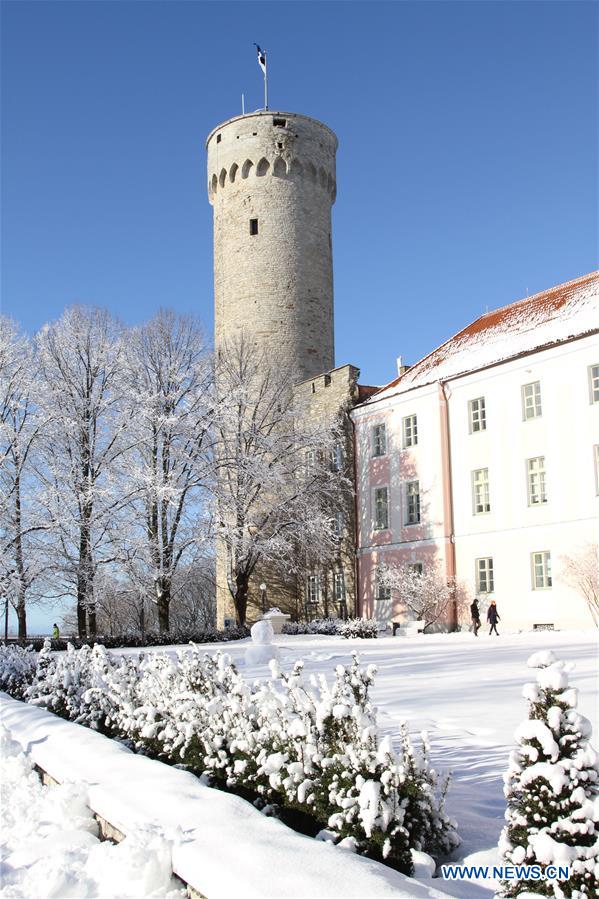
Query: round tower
point(271, 182)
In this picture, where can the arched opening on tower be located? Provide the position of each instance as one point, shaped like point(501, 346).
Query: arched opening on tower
point(296, 167)
point(262, 167)
point(233, 172)
point(279, 168)
point(311, 171)
point(246, 168)
point(214, 184)
point(222, 177)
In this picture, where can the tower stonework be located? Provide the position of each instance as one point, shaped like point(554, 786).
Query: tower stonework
point(271, 183)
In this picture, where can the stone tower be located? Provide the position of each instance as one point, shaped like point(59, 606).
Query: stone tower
point(271, 182)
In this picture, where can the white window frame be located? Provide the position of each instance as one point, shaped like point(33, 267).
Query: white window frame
point(481, 495)
point(381, 594)
point(313, 589)
point(594, 383)
point(409, 431)
point(532, 406)
point(338, 523)
point(412, 503)
point(484, 575)
point(536, 481)
point(477, 415)
point(378, 440)
point(338, 585)
point(337, 457)
point(375, 521)
point(540, 562)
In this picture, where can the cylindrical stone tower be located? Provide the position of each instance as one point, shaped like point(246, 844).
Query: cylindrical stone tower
point(271, 181)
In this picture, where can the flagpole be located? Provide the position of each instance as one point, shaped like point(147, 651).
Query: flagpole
point(265, 81)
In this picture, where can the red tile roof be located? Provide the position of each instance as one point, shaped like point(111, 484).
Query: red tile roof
point(561, 313)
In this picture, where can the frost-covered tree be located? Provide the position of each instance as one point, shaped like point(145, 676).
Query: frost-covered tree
point(581, 571)
point(552, 789)
point(22, 521)
point(425, 595)
point(81, 364)
point(275, 485)
point(169, 400)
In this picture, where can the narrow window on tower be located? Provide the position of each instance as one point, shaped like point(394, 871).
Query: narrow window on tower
point(253, 227)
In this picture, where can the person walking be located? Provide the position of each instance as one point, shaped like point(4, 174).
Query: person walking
point(475, 615)
point(493, 617)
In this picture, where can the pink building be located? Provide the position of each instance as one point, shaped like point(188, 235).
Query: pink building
point(483, 459)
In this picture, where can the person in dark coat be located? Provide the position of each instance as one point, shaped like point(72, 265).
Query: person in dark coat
point(493, 617)
point(475, 615)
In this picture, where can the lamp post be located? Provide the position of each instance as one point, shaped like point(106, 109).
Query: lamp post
point(263, 597)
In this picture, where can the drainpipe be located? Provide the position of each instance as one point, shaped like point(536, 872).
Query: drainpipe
point(448, 527)
point(357, 597)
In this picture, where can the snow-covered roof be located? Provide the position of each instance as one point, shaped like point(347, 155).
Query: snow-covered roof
point(561, 313)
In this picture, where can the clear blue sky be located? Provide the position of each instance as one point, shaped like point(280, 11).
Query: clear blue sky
point(467, 163)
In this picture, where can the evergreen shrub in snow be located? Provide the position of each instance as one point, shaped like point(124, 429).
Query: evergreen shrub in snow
point(17, 669)
point(327, 626)
point(353, 627)
point(552, 788)
point(359, 627)
point(310, 747)
point(151, 638)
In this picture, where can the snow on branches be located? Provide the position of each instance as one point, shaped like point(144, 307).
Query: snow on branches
point(552, 788)
point(307, 747)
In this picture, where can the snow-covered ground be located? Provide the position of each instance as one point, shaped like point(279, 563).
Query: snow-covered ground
point(49, 844)
point(465, 692)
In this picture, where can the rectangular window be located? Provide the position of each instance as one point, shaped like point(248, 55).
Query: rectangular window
point(337, 457)
point(541, 570)
point(381, 592)
point(413, 502)
point(338, 524)
point(253, 227)
point(416, 567)
point(480, 491)
point(279, 123)
point(531, 401)
point(477, 415)
point(310, 459)
point(313, 588)
point(410, 430)
point(379, 440)
point(484, 575)
point(535, 475)
point(338, 586)
point(594, 383)
point(381, 508)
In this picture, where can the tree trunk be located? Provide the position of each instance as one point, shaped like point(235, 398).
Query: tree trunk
point(22, 619)
point(241, 598)
point(91, 616)
point(163, 602)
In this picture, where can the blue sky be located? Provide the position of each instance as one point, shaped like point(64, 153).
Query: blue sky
point(466, 171)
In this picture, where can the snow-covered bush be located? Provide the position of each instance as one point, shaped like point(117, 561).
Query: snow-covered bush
point(311, 747)
point(17, 669)
point(327, 626)
point(359, 627)
point(173, 637)
point(552, 788)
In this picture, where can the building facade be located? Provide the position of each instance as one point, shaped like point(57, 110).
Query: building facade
point(483, 460)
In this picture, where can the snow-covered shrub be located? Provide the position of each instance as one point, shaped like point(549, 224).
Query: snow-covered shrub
point(151, 638)
point(359, 627)
point(312, 747)
point(17, 669)
point(327, 626)
point(552, 788)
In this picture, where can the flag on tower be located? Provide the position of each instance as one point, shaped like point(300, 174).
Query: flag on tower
point(261, 58)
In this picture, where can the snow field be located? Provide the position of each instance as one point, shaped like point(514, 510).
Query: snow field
point(50, 848)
